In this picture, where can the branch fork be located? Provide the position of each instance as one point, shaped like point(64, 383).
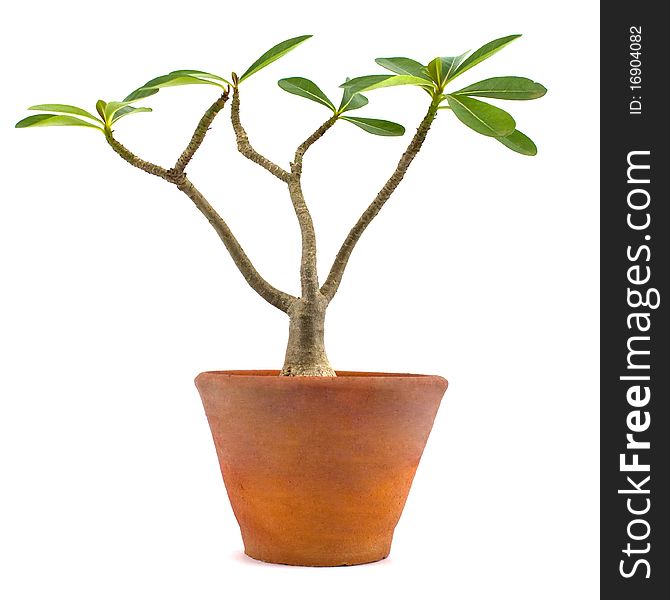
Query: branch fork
point(306, 351)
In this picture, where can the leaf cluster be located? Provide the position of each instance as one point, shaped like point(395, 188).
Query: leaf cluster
point(433, 78)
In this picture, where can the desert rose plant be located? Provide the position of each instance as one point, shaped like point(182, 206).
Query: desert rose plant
point(306, 354)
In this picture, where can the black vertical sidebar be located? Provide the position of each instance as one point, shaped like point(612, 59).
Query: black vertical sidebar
point(635, 296)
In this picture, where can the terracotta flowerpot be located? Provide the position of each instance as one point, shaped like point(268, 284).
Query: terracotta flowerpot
point(318, 468)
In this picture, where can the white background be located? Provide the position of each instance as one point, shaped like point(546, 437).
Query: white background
point(116, 293)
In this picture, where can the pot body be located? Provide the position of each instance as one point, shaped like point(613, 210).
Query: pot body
point(318, 469)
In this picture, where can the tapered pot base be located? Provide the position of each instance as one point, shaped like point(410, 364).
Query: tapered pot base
point(318, 469)
point(319, 558)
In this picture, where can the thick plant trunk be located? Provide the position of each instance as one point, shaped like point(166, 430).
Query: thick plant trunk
point(306, 353)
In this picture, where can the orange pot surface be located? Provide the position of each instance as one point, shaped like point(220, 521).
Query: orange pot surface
point(318, 469)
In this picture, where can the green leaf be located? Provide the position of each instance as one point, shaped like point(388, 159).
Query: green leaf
point(505, 88)
point(482, 117)
point(44, 120)
point(129, 110)
point(372, 82)
point(111, 108)
point(450, 64)
point(351, 101)
point(442, 69)
point(307, 89)
point(519, 142)
point(357, 101)
point(403, 66)
point(376, 126)
point(483, 53)
point(100, 106)
point(273, 54)
point(65, 108)
point(172, 79)
point(115, 110)
point(200, 75)
point(435, 71)
point(140, 93)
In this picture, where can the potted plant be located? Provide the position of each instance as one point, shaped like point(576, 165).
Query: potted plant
point(317, 463)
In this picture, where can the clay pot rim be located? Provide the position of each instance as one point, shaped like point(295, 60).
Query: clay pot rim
point(341, 375)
